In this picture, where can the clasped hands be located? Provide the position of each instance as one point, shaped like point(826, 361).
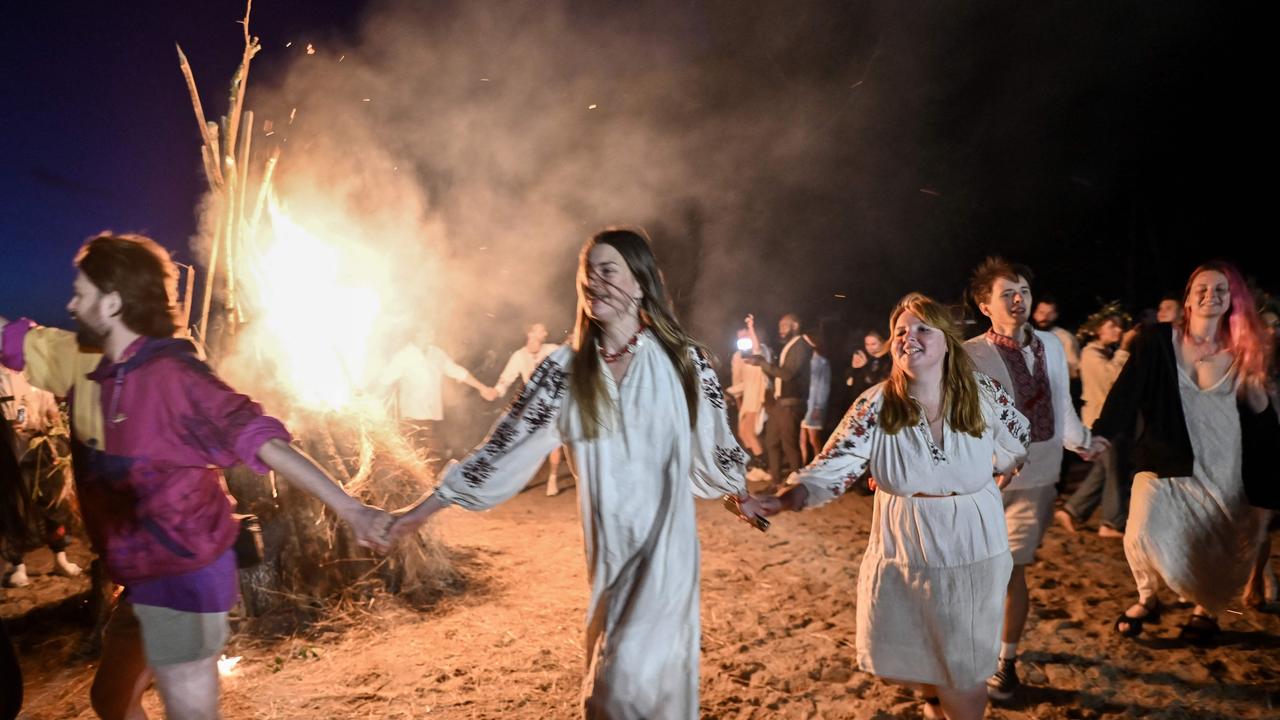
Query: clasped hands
point(380, 530)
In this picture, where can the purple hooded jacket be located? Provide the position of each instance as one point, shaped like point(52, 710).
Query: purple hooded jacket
point(153, 498)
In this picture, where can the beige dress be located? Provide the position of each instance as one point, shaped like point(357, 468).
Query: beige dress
point(932, 582)
point(1198, 533)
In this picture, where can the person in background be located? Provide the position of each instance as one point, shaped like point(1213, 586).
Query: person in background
point(1170, 309)
point(1263, 588)
point(815, 417)
point(1104, 355)
point(1033, 365)
point(1045, 318)
point(11, 523)
point(33, 414)
point(788, 398)
point(417, 372)
point(520, 366)
point(870, 365)
point(749, 386)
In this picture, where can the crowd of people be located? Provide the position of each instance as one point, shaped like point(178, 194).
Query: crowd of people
point(961, 442)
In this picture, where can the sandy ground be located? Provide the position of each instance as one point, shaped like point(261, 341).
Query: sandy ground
point(778, 625)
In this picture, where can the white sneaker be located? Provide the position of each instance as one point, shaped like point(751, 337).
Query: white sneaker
point(64, 567)
point(553, 488)
point(19, 576)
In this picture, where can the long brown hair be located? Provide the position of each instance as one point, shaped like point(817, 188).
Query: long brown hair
point(585, 378)
point(960, 399)
point(140, 270)
point(1241, 330)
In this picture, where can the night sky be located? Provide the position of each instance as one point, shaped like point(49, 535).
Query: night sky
point(1112, 146)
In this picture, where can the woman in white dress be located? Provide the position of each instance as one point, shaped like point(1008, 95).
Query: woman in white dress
point(641, 412)
point(931, 587)
point(1193, 385)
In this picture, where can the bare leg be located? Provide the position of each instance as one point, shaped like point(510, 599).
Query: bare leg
point(1017, 603)
point(964, 704)
point(553, 485)
point(189, 690)
point(747, 431)
point(1255, 591)
point(122, 674)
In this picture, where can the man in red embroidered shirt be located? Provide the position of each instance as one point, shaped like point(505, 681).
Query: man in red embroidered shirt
point(154, 503)
point(1032, 366)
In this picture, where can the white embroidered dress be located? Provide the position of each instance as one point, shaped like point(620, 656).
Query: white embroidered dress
point(636, 482)
point(932, 582)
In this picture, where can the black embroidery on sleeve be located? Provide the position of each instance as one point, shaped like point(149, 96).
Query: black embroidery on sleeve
point(729, 458)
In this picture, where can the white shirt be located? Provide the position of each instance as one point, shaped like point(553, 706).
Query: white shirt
point(1097, 374)
point(636, 483)
point(1044, 459)
point(1071, 348)
point(782, 360)
point(419, 375)
point(40, 409)
point(749, 382)
point(521, 365)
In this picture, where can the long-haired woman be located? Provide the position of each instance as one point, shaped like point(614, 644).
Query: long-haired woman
point(931, 587)
point(1193, 384)
point(639, 407)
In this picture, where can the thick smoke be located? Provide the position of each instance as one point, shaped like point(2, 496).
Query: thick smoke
point(820, 157)
point(479, 144)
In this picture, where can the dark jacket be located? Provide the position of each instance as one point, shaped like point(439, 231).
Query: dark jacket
point(793, 371)
point(1147, 390)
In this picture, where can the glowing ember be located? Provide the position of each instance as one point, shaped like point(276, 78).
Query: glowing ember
point(227, 665)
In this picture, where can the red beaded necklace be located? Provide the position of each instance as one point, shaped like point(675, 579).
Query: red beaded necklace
point(626, 350)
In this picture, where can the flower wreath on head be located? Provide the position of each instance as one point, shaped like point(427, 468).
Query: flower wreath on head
point(1111, 311)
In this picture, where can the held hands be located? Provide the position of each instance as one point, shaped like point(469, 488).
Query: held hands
point(488, 393)
point(371, 526)
point(409, 519)
point(1097, 446)
point(792, 498)
point(1254, 392)
point(1004, 478)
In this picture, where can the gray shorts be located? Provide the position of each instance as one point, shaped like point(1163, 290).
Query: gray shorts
point(171, 637)
point(1027, 512)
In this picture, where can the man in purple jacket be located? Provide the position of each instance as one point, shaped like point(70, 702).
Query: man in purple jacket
point(146, 462)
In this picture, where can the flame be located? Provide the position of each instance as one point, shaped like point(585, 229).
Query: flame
point(314, 302)
point(227, 665)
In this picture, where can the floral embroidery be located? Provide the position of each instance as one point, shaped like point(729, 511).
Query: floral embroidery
point(861, 420)
point(700, 361)
point(502, 436)
point(729, 458)
point(534, 408)
point(477, 470)
point(712, 392)
point(540, 415)
point(1012, 420)
point(935, 453)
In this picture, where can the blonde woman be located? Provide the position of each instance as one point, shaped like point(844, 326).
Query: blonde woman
point(639, 408)
point(937, 436)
